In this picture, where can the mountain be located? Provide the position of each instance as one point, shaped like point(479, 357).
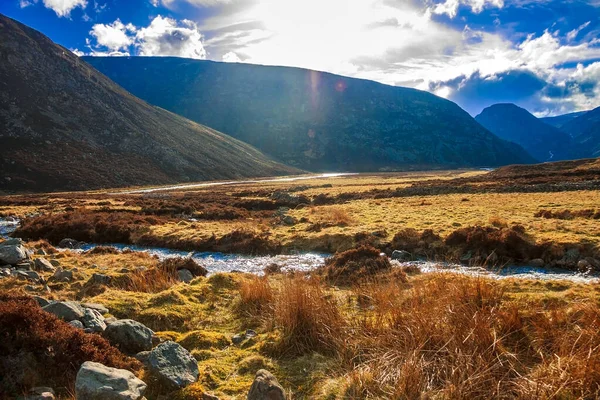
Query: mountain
point(542, 141)
point(560, 120)
point(65, 126)
point(585, 130)
point(314, 120)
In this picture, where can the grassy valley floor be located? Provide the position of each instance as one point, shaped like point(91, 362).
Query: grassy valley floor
point(359, 327)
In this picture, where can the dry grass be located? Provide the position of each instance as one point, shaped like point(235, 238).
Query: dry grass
point(256, 297)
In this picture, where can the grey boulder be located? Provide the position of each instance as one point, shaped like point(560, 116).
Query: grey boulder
point(173, 365)
point(401, 255)
point(63, 275)
point(12, 253)
point(95, 381)
point(129, 335)
point(65, 310)
point(41, 264)
point(185, 275)
point(265, 387)
point(93, 320)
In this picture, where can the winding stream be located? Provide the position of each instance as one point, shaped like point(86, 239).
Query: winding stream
point(221, 262)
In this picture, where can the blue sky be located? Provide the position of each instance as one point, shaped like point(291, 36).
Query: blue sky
point(543, 55)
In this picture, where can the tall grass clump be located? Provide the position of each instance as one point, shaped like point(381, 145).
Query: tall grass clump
point(256, 297)
point(308, 319)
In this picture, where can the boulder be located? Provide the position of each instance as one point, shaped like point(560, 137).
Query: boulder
point(40, 393)
point(5, 272)
point(173, 365)
point(29, 275)
point(95, 381)
point(95, 306)
point(41, 301)
point(93, 320)
point(130, 336)
point(41, 264)
point(99, 279)
point(63, 275)
point(12, 253)
point(185, 275)
point(401, 255)
point(265, 387)
point(55, 263)
point(77, 324)
point(537, 263)
point(65, 310)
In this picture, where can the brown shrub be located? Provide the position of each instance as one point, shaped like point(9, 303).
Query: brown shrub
point(568, 214)
point(308, 319)
point(507, 243)
point(38, 349)
point(355, 264)
point(256, 297)
point(85, 225)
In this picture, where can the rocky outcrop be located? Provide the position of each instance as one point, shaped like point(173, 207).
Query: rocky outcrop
point(65, 310)
point(98, 382)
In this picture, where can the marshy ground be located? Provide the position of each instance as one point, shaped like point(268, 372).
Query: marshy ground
point(358, 327)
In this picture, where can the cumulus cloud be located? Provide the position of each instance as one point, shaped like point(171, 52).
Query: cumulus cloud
point(163, 37)
point(167, 37)
point(63, 8)
point(231, 57)
point(115, 36)
point(450, 7)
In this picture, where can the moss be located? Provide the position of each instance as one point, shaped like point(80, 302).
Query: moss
point(203, 340)
point(251, 364)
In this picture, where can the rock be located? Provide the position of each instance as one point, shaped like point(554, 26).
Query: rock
point(95, 381)
point(40, 252)
point(55, 263)
point(250, 333)
point(12, 253)
point(185, 275)
point(77, 324)
point(584, 266)
point(124, 271)
point(95, 306)
point(143, 356)
point(265, 387)
point(65, 310)
point(40, 393)
point(289, 220)
point(173, 365)
point(93, 320)
point(130, 336)
point(537, 263)
point(28, 275)
point(63, 275)
point(41, 301)
point(12, 242)
point(24, 266)
point(69, 244)
point(290, 200)
point(401, 255)
point(41, 264)
point(5, 272)
point(110, 320)
point(99, 279)
point(593, 262)
point(237, 339)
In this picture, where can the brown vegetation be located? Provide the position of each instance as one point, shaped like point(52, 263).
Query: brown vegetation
point(38, 349)
point(568, 214)
point(355, 264)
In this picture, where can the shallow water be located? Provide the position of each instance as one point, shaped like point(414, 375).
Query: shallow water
point(221, 262)
point(209, 184)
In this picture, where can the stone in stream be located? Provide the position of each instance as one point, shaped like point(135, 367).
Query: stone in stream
point(173, 365)
point(95, 381)
point(93, 320)
point(12, 252)
point(537, 263)
point(130, 336)
point(265, 387)
point(69, 244)
point(65, 310)
point(401, 255)
point(41, 264)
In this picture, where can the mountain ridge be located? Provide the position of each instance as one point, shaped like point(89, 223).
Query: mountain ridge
point(66, 126)
point(315, 120)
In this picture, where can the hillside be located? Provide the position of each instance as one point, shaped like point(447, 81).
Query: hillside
point(585, 129)
point(65, 126)
point(517, 125)
point(560, 120)
point(312, 120)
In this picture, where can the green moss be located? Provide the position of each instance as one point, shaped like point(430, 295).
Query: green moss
point(203, 340)
point(253, 363)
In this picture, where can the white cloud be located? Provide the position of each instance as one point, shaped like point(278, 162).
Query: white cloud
point(450, 7)
point(114, 36)
point(167, 37)
point(26, 3)
point(573, 34)
point(163, 37)
point(231, 57)
point(63, 8)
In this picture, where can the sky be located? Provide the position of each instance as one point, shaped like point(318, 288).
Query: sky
point(543, 55)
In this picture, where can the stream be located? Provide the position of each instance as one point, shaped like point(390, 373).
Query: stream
point(220, 262)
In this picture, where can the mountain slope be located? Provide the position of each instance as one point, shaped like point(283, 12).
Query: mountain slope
point(560, 120)
point(64, 125)
point(313, 120)
point(585, 130)
point(517, 125)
